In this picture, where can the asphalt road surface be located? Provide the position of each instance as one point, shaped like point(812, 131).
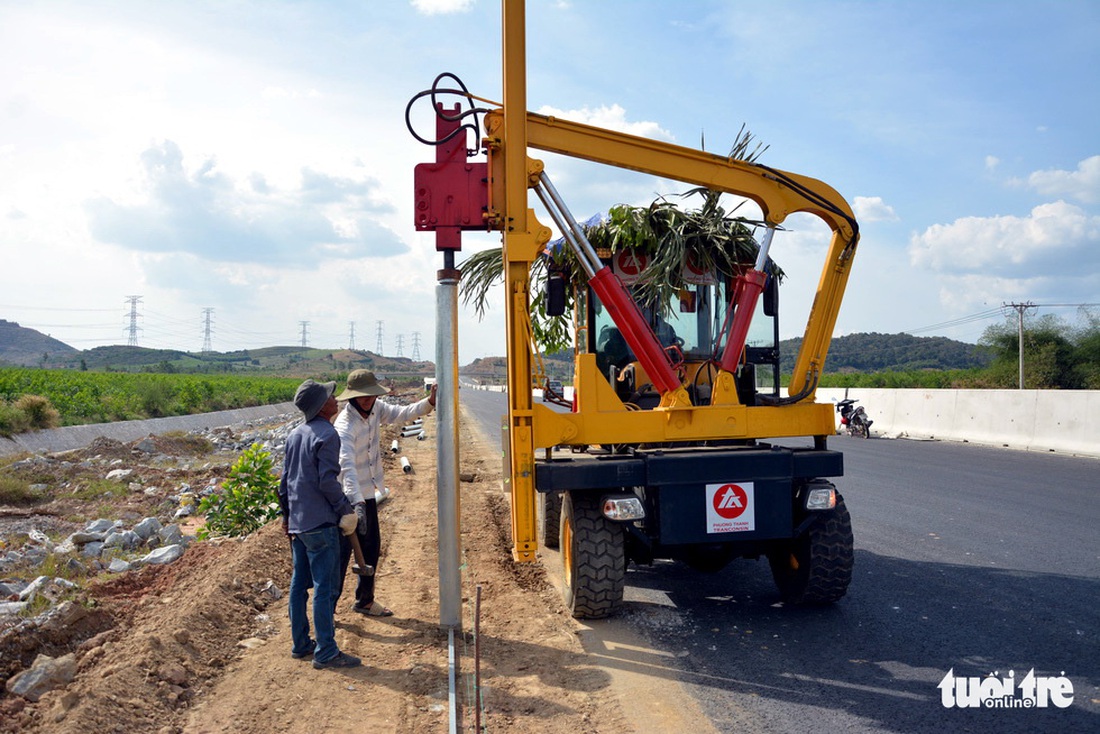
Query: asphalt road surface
point(969, 560)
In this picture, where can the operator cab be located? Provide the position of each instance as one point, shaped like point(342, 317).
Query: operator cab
point(689, 329)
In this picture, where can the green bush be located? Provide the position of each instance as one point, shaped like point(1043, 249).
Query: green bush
point(39, 411)
point(17, 491)
point(248, 499)
point(12, 421)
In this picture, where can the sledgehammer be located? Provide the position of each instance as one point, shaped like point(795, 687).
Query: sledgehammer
point(360, 566)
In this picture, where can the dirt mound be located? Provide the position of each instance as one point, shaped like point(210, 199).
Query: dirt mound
point(105, 447)
point(176, 627)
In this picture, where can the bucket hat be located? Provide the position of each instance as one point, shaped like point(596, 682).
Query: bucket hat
point(312, 396)
point(362, 384)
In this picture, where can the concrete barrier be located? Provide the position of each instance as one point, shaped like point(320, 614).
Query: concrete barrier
point(75, 437)
point(1034, 420)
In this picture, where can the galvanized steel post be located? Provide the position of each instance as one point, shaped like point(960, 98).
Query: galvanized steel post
point(446, 376)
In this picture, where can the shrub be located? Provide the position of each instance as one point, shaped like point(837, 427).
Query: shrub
point(16, 491)
point(12, 421)
point(248, 499)
point(94, 489)
point(39, 411)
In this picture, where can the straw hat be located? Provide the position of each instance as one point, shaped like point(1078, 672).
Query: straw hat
point(362, 384)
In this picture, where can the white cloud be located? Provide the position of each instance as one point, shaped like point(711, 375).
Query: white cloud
point(442, 7)
point(1082, 184)
point(873, 209)
point(612, 118)
point(991, 162)
point(206, 213)
point(1052, 236)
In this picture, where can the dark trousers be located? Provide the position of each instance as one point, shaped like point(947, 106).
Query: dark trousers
point(371, 542)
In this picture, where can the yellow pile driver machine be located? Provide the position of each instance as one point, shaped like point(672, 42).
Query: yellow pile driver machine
point(669, 448)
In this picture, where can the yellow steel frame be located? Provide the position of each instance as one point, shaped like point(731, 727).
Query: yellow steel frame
point(601, 418)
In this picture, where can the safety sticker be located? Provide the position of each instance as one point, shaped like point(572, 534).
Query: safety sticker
point(629, 265)
point(730, 508)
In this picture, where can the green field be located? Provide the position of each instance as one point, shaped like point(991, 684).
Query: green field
point(100, 397)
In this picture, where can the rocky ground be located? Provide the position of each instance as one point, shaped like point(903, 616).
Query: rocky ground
point(200, 644)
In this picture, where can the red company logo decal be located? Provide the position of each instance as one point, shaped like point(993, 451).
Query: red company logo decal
point(730, 501)
point(629, 265)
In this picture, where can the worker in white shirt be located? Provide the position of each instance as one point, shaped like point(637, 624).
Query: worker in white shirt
point(361, 471)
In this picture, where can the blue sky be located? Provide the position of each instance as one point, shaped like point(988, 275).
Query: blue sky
point(251, 157)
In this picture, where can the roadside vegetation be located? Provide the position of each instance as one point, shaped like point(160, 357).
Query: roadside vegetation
point(37, 398)
point(247, 499)
point(1057, 356)
point(27, 413)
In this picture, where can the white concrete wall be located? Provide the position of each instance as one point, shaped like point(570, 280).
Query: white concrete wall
point(1035, 420)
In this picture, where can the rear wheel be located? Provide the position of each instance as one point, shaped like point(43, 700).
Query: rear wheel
point(816, 567)
point(592, 556)
point(549, 514)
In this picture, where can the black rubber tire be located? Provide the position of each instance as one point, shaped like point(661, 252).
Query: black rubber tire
point(816, 567)
point(593, 558)
point(862, 429)
point(549, 514)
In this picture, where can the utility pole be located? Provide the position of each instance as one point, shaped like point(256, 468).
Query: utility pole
point(351, 337)
point(378, 347)
point(206, 313)
point(134, 301)
point(1021, 309)
point(400, 343)
point(416, 346)
point(305, 332)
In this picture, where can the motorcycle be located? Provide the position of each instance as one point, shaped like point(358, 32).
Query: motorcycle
point(853, 420)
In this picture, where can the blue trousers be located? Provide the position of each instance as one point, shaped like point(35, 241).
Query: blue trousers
point(316, 557)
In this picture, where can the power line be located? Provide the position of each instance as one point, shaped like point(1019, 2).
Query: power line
point(378, 348)
point(351, 337)
point(961, 321)
point(983, 315)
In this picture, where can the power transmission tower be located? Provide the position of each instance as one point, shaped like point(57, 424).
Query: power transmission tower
point(134, 301)
point(1021, 309)
point(416, 346)
point(351, 337)
point(206, 313)
point(400, 342)
point(305, 332)
point(378, 349)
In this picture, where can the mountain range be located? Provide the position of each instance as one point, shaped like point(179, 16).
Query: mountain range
point(865, 352)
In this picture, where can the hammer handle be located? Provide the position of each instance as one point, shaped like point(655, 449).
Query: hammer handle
point(359, 560)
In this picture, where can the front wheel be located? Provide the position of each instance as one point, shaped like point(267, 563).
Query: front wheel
point(816, 567)
point(593, 558)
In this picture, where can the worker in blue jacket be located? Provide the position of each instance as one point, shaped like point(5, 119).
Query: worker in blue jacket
point(315, 513)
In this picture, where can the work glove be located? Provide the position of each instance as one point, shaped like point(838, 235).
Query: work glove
point(361, 513)
point(348, 522)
